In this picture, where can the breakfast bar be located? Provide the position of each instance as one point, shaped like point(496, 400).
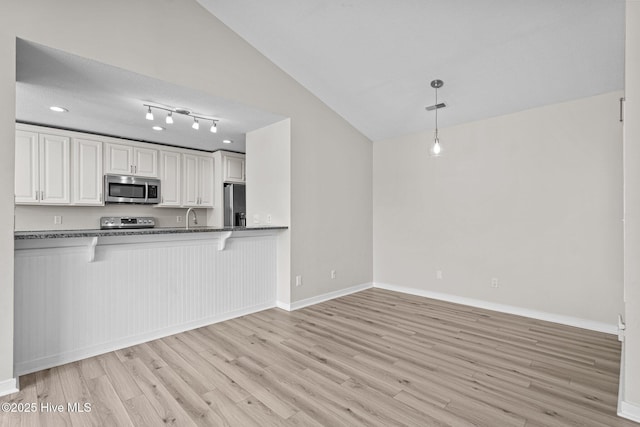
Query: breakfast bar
point(79, 293)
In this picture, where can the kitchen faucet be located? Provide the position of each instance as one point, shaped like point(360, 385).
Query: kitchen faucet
point(195, 217)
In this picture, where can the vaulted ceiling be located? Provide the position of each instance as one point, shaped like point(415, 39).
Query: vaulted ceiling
point(372, 60)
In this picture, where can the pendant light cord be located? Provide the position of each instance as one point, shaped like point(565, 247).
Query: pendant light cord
point(436, 112)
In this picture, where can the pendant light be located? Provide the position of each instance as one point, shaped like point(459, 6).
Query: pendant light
point(436, 150)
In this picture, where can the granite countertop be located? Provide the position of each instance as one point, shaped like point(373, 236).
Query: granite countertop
point(55, 234)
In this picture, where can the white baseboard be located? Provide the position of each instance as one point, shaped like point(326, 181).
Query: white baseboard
point(504, 308)
point(8, 386)
point(72, 356)
point(296, 305)
point(626, 410)
point(629, 411)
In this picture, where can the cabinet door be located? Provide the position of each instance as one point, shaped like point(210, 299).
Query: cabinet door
point(118, 159)
point(234, 169)
point(190, 196)
point(170, 178)
point(54, 170)
point(86, 165)
point(205, 176)
point(145, 162)
point(27, 178)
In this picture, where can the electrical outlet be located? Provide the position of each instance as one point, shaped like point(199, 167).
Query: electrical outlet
point(57, 219)
point(494, 282)
point(439, 274)
point(256, 220)
point(333, 274)
point(269, 219)
point(178, 218)
point(298, 280)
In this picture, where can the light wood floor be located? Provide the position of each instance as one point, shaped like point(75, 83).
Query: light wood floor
point(372, 358)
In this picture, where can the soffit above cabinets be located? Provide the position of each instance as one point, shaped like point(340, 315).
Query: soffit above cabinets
point(372, 61)
point(109, 100)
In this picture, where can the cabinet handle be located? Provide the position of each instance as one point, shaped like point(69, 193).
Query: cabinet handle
point(100, 197)
point(42, 195)
point(37, 195)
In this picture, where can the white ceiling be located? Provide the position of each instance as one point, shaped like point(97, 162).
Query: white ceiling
point(108, 100)
point(372, 60)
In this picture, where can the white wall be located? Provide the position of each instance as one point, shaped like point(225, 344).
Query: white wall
point(268, 165)
point(331, 162)
point(7, 134)
point(631, 367)
point(532, 198)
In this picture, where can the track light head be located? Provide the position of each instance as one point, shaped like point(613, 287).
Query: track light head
point(169, 119)
point(195, 124)
point(149, 115)
point(214, 127)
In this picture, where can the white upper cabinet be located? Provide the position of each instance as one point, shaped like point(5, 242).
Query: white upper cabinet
point(86, 172)
point(205, 171)
point(41, 169)
point(54, 169)
point(198, 181)
point(27, 176)
point(130, 160)
point(233, 167)
point(145, 162)
point(171, 178)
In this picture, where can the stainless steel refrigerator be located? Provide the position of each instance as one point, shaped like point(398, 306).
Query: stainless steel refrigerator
point(235, 205)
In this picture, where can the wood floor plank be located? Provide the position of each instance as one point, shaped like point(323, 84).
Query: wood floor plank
point(75, 389)
point(107, 404)
point(50, 395)
point(372, 358)
point(168, 409)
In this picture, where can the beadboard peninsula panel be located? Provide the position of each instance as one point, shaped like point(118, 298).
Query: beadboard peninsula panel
point(67, 308)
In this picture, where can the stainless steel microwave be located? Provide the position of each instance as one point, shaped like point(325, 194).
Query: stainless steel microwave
point(131, 189)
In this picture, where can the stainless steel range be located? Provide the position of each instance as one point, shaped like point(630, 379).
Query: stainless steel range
point(110, 222)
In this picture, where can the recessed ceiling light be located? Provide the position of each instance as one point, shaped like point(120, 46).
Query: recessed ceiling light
point(58, 109)
point(227, 141)
point(157, 128)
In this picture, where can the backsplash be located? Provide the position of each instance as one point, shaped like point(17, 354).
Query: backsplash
point(30, 218)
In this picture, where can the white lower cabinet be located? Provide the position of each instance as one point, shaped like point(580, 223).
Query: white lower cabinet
point(198, 181)
point(170, 178)
point(42, 169)
point(86, 172)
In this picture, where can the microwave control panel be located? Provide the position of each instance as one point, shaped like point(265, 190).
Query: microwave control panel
point(108, 222)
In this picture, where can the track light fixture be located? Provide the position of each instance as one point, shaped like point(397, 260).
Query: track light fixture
point(184, 112)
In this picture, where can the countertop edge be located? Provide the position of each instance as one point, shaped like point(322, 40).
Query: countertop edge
point(62, 234)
